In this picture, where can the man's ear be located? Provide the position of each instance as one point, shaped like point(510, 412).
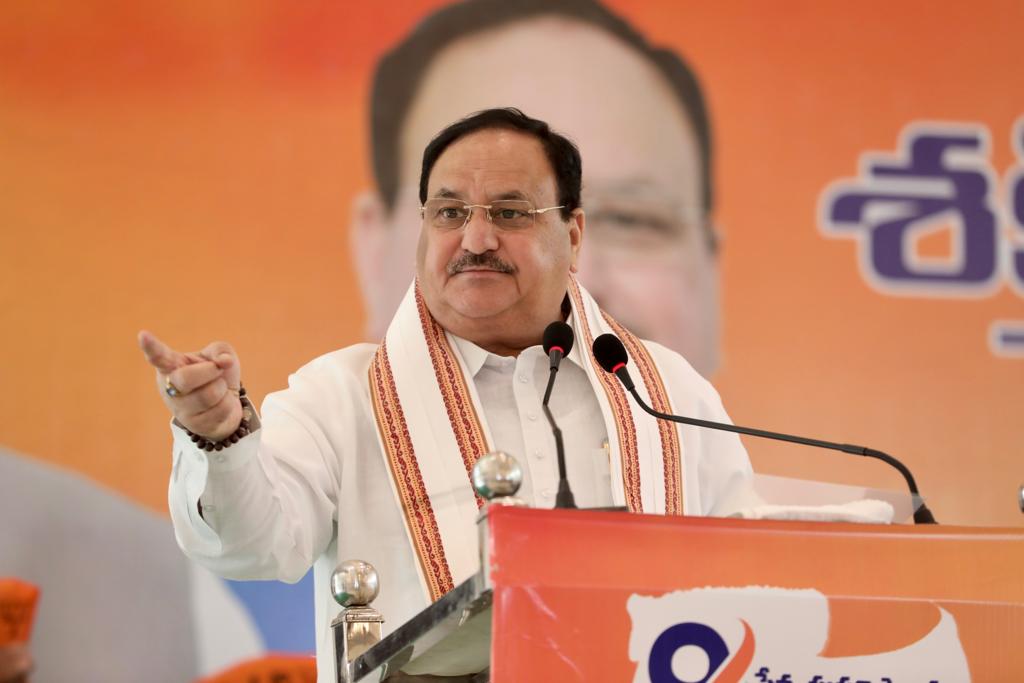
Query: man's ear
point(577, 224)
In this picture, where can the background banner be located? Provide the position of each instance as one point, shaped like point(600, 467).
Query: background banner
point(837, 243)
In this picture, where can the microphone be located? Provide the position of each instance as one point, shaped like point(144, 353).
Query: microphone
point(558, 339)
point(611, 355)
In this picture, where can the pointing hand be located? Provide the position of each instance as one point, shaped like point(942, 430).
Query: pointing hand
point(200, 389)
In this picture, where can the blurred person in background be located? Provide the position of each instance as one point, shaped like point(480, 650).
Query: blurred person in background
point(637, 110)
point(15, 663)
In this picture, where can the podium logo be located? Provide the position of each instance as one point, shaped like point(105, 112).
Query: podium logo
point(702, 651)
point(772, 635)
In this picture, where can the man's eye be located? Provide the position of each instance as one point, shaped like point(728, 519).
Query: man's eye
point(510, 214)
point(449, 213)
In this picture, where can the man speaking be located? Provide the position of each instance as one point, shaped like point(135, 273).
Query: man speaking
point(367, 453)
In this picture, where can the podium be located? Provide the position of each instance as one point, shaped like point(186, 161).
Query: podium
point(571, 595)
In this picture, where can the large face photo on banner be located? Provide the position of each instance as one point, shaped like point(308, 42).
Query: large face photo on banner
point(636, 111)
point(820, 207)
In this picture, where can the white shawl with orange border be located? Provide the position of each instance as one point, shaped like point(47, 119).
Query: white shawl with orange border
point(431, 430)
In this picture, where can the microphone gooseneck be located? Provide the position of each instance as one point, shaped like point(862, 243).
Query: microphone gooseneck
point(611, 355)
point(558, 340)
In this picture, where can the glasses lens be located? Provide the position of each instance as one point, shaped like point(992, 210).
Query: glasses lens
point(445, 213)
point(512, 214)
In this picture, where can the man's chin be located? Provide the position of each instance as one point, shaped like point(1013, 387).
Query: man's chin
point(479, 305)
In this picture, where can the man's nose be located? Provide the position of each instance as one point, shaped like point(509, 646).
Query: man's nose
point(479, 234)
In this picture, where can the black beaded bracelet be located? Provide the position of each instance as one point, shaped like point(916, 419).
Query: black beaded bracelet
point(243, 428)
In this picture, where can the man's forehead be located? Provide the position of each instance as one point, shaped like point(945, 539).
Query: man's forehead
point(502, 163)
point(453, 193)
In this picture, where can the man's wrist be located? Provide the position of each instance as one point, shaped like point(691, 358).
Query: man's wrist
point(248, 424)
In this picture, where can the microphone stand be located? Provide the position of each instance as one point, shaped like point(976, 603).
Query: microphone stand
point(921, 516)
point(564, 498)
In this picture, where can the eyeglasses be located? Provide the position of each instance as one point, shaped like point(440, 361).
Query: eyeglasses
point(507, 214)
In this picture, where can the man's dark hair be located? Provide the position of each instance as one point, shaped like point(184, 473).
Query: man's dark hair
point(561, 153)
point(401, 71)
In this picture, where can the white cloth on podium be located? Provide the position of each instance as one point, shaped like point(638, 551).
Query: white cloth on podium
point(866, 511)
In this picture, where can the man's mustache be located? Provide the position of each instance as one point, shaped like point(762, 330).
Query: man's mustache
point(485, 260)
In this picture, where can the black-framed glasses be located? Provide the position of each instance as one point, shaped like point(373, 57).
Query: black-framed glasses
point(508, 214)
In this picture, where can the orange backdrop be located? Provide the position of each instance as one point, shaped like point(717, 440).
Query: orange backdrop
point(189, 170)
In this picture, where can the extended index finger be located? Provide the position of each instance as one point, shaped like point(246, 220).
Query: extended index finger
point(160, 355)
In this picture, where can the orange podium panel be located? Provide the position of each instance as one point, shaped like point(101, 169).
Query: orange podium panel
point(601, 596)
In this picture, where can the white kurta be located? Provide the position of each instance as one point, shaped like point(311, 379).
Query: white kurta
point(311, 487)
point(511, 391)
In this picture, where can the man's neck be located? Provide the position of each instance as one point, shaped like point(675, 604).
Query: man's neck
point(499, 345)
point(502, 350)
point(507, 334)
point(503, 338)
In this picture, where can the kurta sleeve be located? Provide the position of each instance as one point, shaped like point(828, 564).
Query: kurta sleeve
point(725, 474)
point(716, 459)
point(269, 502)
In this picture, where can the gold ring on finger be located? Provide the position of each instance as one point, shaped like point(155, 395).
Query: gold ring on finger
point(170, 389)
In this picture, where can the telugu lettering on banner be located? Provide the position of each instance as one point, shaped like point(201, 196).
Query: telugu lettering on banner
point(939, 179)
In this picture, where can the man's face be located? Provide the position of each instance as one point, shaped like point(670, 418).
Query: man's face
point(479, 280)
point(647, 258)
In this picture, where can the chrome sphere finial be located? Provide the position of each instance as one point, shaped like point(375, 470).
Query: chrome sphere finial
point(354, 583)
point(497, 475)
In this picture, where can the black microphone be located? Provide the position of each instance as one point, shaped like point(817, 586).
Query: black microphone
point(611, 355)
point(558, 338)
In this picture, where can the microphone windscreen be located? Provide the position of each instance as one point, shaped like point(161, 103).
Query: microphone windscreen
point(610, 352)
point(558, 334)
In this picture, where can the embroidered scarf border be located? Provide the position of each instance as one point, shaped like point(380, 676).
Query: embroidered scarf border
point(405, 473)
point(625, 428)
point(671, 449)
point(469, 435)
point(462, 416)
